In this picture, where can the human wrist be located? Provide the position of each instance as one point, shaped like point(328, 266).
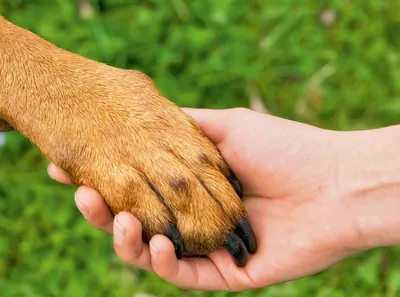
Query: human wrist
point(368, 180)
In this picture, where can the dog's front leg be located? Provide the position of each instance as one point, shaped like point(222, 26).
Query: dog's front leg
point(113, 130)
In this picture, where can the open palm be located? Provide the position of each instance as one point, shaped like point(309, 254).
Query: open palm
point(288, 174)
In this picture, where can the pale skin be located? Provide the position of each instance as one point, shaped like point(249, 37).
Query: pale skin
point(314, 198)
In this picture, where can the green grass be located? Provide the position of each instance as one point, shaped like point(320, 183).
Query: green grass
point(203, 53)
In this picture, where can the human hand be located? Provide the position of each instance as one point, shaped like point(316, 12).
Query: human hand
point(296, 205)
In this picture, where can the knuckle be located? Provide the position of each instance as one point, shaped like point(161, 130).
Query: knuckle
point(241, 111)
point(102, 226)
point(130, 253)
point(196, 276)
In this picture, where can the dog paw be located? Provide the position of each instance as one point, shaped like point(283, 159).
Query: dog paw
point(147, 157)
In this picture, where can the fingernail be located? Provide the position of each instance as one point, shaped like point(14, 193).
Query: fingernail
point(81, 206)
point(50, 170)
point(119, 232)
point(153, 251)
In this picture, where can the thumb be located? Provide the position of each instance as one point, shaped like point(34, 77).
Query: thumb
point(216, 124)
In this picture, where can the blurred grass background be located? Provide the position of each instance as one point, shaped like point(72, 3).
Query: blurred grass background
point(334, 64)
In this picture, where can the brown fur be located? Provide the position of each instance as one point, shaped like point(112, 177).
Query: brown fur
point(113, 130)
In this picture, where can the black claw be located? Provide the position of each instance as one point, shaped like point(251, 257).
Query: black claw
point(237, 249)
point(246, 234)
point(235, 183)
point(176, 238)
